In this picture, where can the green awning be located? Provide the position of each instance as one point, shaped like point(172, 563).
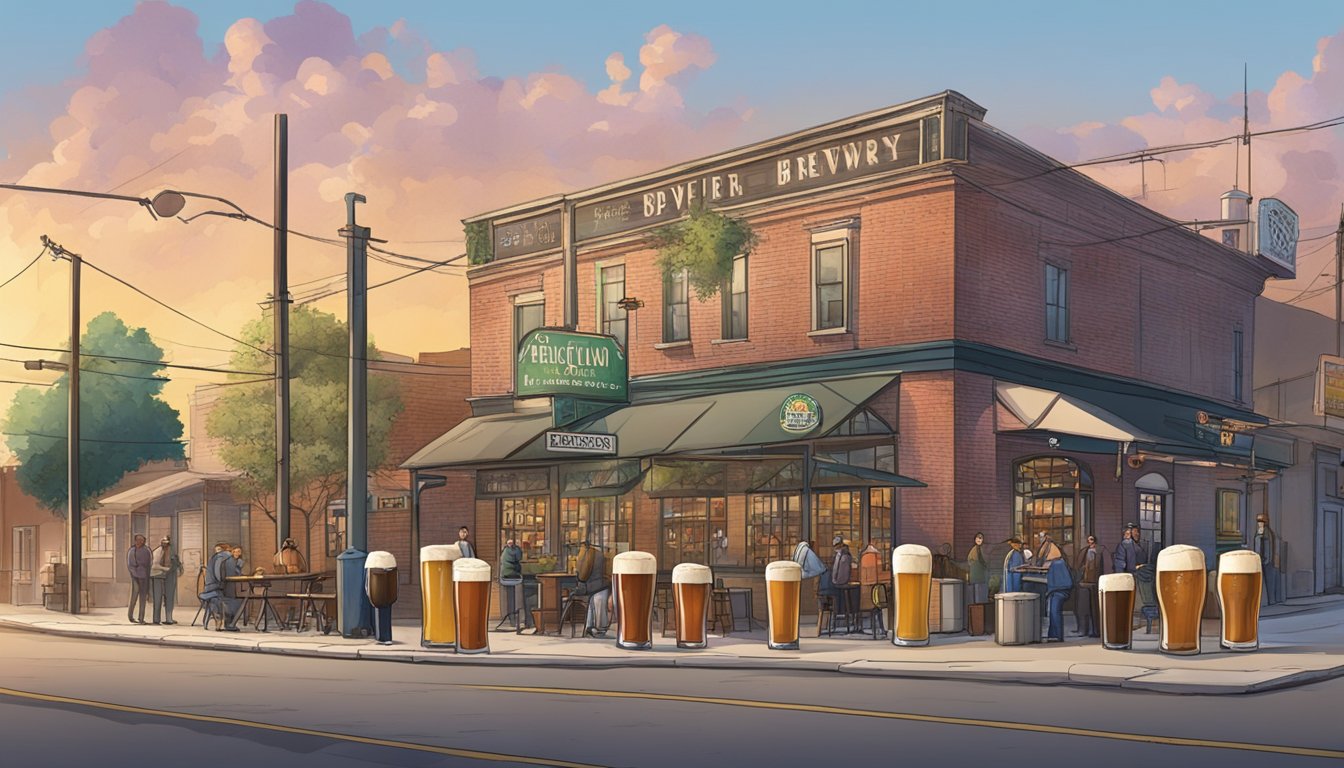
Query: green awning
point(482, 439)
point(877, 476)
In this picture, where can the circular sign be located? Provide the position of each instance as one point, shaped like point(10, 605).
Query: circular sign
point(800, 413)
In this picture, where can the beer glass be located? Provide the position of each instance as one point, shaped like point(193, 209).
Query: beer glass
point(1239, 583)
point(783, 585)
point(436, 595)
point(471, 595)
point(1116, 592)
point(633, 575)
point(1181, 584)
point(912, 565)
point(690, 591)
point(380, 583)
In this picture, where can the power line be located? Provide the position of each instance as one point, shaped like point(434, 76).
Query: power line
point(388, 282)
point(103, 373)
point(30, 383)
point(25, 268)
point(119, 358)
point(83, 439)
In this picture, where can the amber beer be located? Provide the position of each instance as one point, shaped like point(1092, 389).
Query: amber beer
point(436, 595)
point(783, 583)
point(1181, 585)
point(690, 591)
point(1239, 582)
point(912, 565)
point(1116, 591)
point(471, 595)
point(633, 576)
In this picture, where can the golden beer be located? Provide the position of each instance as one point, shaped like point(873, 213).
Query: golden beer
point(437, 629)
point(912, 566)
point(1116, 592)
point(1239, 583)
point(783, 585)
point(634, 576)
point(691, 584)
point(1181, 585)
point(471, 593)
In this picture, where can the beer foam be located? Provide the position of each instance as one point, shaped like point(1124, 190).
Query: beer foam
point(1116, 582)
point(911, 558)
point(470, 569)
point(783, 570)
point(692, 573)
point(380, 560)
point(1181, 557)
point(439, 553)
point(634, 563)
point(1239, 561)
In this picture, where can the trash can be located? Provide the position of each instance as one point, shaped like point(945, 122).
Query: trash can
point(946, 612)
point(1017, 618)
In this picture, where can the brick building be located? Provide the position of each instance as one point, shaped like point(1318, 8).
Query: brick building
point(1036, 351)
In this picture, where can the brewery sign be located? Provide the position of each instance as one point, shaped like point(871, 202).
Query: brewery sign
point(799, 414)
point(1278, 233)
point(1329, 399)
point(581, 442)
point(391, 502)
point(564, 363)
point(531, 235)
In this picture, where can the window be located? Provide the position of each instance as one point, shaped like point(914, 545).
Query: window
point(830, 271)
point(1051, 494)
point(837, 513)
point(98, 533)
point(1056, 303)
point(676, 308)
point(1229, 514)
point(527, 317)
point(774, 526)
point(1238, 375)
point(879, 523)
point(611, 289)
point(933, 139)
point(735, 301)
point(603, 521)
point(1152, 507)
point(694, 531)
point(524, 519)
point(23, 557)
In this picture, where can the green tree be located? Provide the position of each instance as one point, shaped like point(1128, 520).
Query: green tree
point(123, 423)
point(244, 415)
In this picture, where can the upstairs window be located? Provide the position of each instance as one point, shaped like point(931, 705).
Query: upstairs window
point(676, 308)
point(611, 289)
point(830, 287)
point(1056, 304)
point(735, 301)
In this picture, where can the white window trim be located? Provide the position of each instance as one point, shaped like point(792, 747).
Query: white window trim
point(599, 299)
point(664, 343)
point(829, 238)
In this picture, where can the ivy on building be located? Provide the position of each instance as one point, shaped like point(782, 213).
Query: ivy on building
point(478, 243)
point(704, 244)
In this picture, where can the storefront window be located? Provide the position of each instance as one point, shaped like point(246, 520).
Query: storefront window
point(774, 526)
point(879, 523)
point(1052, 494)
point(98, 533)
point(524, 519)
point(1229, 514)
point(695, 530)
point(837, 513)
point(602, 521)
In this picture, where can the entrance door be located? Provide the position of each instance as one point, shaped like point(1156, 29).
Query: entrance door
point(1330, 547)
point(24, 554)
point(191, 549)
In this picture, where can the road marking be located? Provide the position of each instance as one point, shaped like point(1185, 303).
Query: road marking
point(1060, 730)
point(498, 757)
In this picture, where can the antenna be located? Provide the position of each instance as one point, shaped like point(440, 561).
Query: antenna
point(1246, 127)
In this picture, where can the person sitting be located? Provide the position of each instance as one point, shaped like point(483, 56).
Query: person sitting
point(593, 581)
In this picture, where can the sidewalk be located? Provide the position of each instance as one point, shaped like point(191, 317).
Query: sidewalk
point(1301, 642)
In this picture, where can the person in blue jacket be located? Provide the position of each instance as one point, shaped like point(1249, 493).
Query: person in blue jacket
point(1012, 580)
point(1058, 586)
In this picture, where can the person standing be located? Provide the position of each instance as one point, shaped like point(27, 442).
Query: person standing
point(511, 583)
point(1047, 551)
point(1012, 578)
point(138, 560)
point(1091, 565)
point(842, 570)
point(1266, 544)
point(978, 570)
point(464, 542)
point(1129, 554)
point(163, 575)
point(1058, 585)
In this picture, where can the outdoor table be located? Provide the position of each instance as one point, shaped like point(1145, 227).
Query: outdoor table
point(263, 582)
point(549, 601)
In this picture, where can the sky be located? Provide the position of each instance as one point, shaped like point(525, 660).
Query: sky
point(436, 111)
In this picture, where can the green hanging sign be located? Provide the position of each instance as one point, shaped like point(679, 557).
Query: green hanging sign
point(564, 363)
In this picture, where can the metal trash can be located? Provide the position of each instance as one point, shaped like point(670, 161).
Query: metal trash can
point(1017, 618)
point(946, 606)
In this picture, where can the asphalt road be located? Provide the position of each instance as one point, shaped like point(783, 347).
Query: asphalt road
point(67, 702)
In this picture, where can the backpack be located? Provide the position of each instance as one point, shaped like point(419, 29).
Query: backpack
point(585, 564)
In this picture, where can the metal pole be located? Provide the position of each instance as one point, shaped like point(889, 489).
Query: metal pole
point(75, 517)
point(1339, 298)
point(356, 613)
point(280, 308)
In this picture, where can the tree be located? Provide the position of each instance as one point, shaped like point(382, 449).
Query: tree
point(244, 415)
point(123, 423)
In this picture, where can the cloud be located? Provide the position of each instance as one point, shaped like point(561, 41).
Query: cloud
point(424, 135)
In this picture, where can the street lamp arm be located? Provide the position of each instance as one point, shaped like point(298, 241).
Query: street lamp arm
point(240, 212)
point(225, 214)
point(79, 193)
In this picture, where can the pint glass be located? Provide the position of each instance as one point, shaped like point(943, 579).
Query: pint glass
point(1239, 594)
point(783, 583)
point(380, 583)
point(690, 591)
point(1181, 584)
point(633, 576)
point(1117, 610)
point(471, 597)
point(912, 565)
point(436, 590)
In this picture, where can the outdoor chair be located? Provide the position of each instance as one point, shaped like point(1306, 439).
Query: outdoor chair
point(574, 610)
point(213, 608)
point(313, 602)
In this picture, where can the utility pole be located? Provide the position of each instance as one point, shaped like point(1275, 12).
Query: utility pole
point(280, 309)
point(356, 613)
point(1339, 297)
point(75, 513)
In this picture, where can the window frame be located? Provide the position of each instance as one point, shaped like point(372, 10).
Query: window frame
point(670, 302)
point(604, 322)
point(823, 243)
point(727, 332)
point(713, 513)
point(1221, 512)
point(1053, 302)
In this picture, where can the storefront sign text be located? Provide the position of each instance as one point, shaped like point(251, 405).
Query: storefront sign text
point(800, 414)
point(581, 442)
point(583, 365)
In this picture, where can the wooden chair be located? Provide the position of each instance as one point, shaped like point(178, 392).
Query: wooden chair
point(574, 610)
point(825, 614)
point(879, 600)
point(313, 602)
point(212, 608)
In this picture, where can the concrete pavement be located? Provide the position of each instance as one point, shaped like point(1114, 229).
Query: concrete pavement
point(1301, 642)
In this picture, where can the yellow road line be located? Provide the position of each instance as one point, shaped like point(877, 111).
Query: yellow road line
point(966, 721)
point(497, 757)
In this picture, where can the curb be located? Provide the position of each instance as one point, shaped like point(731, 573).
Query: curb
point(1177, 681)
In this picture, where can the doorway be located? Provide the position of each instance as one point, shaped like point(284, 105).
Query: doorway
point(24, 559)
point(1330, 547)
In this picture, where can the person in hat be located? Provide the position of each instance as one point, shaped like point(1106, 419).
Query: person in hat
point(1012, 577)
point(1266, 544)
point(164, 569)
point(1129, 554)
